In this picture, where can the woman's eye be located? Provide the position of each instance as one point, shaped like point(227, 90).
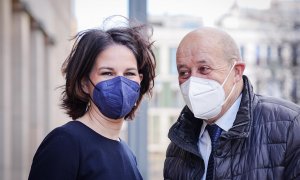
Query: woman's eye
point(129, 74)
point(106, 73)
point(204, 69)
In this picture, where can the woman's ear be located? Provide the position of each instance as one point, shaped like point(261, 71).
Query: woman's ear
point(141, 77)
point(84, 85)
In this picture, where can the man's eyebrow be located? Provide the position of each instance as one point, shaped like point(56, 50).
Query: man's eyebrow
point(201, 61)
point(181, 66)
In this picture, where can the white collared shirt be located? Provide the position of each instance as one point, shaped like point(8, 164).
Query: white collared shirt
point(225, 123)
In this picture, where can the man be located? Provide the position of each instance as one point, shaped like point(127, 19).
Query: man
point(226, 131)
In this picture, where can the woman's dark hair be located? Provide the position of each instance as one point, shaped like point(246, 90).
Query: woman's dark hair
point(88, 45)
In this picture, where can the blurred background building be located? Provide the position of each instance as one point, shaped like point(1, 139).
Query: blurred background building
point(34, 41)
point(269, 40)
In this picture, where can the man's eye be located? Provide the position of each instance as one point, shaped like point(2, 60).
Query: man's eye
point(183, 74)
point(205, 70)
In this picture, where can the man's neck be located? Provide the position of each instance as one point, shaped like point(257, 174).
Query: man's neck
point(229, 103)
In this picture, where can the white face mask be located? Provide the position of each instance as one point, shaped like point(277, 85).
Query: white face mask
point(204, 97)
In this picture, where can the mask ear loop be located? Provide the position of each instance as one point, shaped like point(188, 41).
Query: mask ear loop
point(229, 94)
point(226, 80)
point(92, 83)
point(94, 88)
point(228, 73)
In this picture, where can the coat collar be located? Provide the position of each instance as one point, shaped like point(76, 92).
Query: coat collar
point(185, 132)
point(243, 121)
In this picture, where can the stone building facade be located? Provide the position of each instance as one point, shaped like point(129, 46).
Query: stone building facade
point(34, 41)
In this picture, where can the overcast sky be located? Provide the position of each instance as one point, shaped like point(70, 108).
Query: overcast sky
point(91, 13)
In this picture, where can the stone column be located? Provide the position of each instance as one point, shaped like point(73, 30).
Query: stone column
point(5, 90)
point(20, 91)
point(37, 87)
point(137, 129)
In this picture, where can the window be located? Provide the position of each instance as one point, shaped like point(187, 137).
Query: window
point(173, 66)
point(242, 49)
point(286, 53)
point(156, 52)
point(172, 120)
point(295, 54)
point(156, 99)
point(257, 55)
point(177, 99)
point(279, 54)
point(155, 130)
point(295, 91)
point(167, 95)
point(269, 54)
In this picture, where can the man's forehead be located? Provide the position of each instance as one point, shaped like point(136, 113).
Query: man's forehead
point(194, 46)
point(192, 51)
point(198, 56)
point(193, 59)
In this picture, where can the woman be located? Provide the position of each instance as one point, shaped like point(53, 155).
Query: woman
point(107, 74)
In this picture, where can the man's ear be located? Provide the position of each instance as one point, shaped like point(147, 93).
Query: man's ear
point(239, 70)
point(84, 85)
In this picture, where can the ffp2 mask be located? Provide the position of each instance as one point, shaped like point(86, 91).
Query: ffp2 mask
point(204, 97)
point(116, 97)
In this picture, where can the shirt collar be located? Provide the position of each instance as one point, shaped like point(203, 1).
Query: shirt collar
point(226, 121)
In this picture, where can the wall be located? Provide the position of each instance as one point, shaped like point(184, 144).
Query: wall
point(33, 44)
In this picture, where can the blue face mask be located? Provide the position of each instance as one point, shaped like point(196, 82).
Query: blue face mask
point(116, 97)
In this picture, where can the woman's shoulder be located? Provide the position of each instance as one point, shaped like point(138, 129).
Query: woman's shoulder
point(63, 136)
point(64, 139)
point(72, 127)
point(57, 156)
point(68, 130)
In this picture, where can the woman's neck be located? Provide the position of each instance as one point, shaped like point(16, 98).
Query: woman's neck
point(102, 125)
